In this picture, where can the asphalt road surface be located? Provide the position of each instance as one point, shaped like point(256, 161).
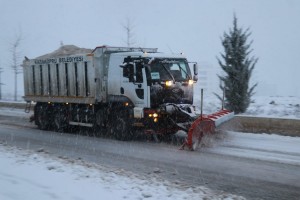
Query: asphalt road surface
point(251, 178)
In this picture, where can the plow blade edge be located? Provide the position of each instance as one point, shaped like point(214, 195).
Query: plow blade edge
point(203, 125)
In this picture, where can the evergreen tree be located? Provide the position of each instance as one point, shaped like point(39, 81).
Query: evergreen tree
point(238, 66)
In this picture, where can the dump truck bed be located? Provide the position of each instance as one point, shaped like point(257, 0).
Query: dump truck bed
point(60, 79)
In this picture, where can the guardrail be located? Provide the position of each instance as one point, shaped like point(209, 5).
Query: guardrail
point(21, 105)
point(282, 126)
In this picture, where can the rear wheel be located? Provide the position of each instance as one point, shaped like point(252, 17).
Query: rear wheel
point(42, 117)
point(60, 120)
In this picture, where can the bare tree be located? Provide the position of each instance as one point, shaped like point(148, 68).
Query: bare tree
point(128, 27)
point(16, 60)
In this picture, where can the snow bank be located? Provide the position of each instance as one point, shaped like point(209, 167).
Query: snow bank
point(36, 175)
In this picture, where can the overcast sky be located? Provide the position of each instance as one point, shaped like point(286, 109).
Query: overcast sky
point(190, 26)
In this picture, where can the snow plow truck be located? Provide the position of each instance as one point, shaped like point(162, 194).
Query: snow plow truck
point(120, 89)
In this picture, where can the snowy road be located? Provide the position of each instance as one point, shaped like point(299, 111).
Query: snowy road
point(256, 166)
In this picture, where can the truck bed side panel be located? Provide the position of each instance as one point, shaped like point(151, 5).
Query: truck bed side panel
point(60, 80)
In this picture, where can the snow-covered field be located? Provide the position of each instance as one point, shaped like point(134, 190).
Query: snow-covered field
point(288, 107)
point(263, 106)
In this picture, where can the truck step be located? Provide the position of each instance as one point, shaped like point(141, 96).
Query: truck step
point(28, 106)
point(81, 124)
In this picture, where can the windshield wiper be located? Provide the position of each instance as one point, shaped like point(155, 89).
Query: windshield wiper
point(184, 71)
point(172, 77)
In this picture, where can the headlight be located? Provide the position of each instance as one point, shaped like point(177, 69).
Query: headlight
point(154, 115)
point(191, 82)
point(169, 83)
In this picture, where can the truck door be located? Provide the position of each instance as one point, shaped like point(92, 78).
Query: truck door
point(134, 82)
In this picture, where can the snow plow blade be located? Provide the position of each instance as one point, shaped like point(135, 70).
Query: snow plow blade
point(203, 125)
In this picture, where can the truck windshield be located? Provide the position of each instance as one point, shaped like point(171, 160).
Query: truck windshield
point(167, 69)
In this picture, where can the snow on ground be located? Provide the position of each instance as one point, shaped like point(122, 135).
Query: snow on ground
point(31, 175)
point(263, 106)
point(288, 107)
point(273, 148)
point(37, 175)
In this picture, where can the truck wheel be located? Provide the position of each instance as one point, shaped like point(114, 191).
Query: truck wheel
point(60, 122)
point(121, 127)
point(42, 119)
point(100, 121)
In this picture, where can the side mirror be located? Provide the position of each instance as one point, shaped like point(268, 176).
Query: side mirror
point(195, 78)
point(134, 69)
point(129, 72)
point(132, 76)
point(129, 69)
point(195, 69)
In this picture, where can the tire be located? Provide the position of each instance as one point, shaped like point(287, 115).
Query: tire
point(42, 117)
point(100, 123)
point(60, 121)
point(120, 126)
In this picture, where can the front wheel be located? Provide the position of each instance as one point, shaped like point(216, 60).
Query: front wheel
point(120, 126)
point(100, 123)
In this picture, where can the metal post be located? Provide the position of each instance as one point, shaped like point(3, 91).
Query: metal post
point(223, 98)
point(201, 107)
point(0, 83)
